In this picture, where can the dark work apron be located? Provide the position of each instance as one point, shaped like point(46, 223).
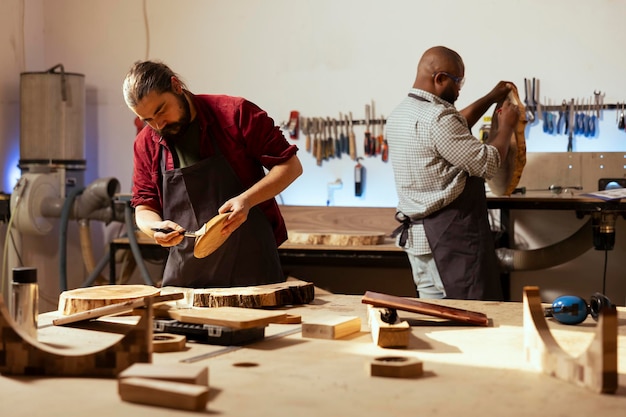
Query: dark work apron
point(192, 196)
point(460, 239)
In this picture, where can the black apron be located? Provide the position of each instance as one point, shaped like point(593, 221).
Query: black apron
point(192, 196)
point(460, 239)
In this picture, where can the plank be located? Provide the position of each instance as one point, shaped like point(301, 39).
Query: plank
point(292, 292)
point(415, 306)
point(175, 372)
point(234, 317)
point(332, 327)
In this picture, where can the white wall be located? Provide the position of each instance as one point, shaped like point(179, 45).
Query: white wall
point(319, 57)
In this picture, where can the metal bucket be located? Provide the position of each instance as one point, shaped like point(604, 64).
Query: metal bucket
point(52, 118)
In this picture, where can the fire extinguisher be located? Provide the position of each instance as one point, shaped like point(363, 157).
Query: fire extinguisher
point(359, 177)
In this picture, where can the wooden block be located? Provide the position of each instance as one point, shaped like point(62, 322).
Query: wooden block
point(234, 317)
point(176, 372)
point(332, 328)
point(387, 335)
point(395, 367)
point(164, 393)
point(293, 292)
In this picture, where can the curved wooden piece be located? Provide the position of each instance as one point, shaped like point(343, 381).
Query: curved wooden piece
point(510, 172)
point(595, 369)
point(20, 354)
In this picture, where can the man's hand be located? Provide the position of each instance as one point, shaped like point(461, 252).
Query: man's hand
point(500, 92)
point(508, 115)
point(239, 207)
point(172, 238)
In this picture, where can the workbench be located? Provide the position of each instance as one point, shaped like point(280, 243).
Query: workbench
point(468, 371)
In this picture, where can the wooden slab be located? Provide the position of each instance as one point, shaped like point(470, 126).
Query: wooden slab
point(112, 309)
point(89, 298)
point(396, 367)
point(293, 292)
point(335, 238)
point(234, 317)
point(332, 327)
point(415, 306)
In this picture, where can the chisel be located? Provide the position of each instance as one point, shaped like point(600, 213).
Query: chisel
point(367, 142)
point(352, 139)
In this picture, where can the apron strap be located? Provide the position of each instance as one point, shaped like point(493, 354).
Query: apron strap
point(403, 229)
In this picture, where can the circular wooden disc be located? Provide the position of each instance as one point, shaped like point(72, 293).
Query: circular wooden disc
point(83, 299)
point(351, 238)
point(211, 238)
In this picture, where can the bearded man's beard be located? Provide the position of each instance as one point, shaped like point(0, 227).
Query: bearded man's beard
point(176, 130)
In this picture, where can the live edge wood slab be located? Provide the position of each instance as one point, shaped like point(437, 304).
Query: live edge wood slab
point(292, 292)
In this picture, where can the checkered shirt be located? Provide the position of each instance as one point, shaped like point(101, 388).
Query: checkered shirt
point(432, 152)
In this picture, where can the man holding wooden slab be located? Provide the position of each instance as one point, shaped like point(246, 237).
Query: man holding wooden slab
point(201, 156)
point(439, 169)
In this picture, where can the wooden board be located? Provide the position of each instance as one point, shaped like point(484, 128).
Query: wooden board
point(293, 292)
point(336, 238)
point(332, 327)
point(234, 317)
point(164, 393)
point(415, 306)
point(83, 299)
point(175, 372)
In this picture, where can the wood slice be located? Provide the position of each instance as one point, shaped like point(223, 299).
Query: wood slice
point(510, 171)
point(83, 299)
point(351, 238)
point(271, 295)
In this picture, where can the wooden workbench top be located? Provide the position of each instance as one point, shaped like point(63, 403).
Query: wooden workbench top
point(468, 371)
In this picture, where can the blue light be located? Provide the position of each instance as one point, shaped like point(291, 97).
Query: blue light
point(12, 172)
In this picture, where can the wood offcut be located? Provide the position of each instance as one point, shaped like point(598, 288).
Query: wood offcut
point(292, 292)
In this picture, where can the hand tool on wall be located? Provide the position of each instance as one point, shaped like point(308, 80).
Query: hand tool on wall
point(294, 124)
point(529, 94)
point(330, 142)
point(537, 98)
point(352, 139)
point(345, 146)
point(343, 138)
point(384, 147)
point(620, 123)
point(561, 125)
point(570, 138)
point(359, 177)
point(306, 129)
point(319, 134)
point(367, 141)
point(337, 139)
